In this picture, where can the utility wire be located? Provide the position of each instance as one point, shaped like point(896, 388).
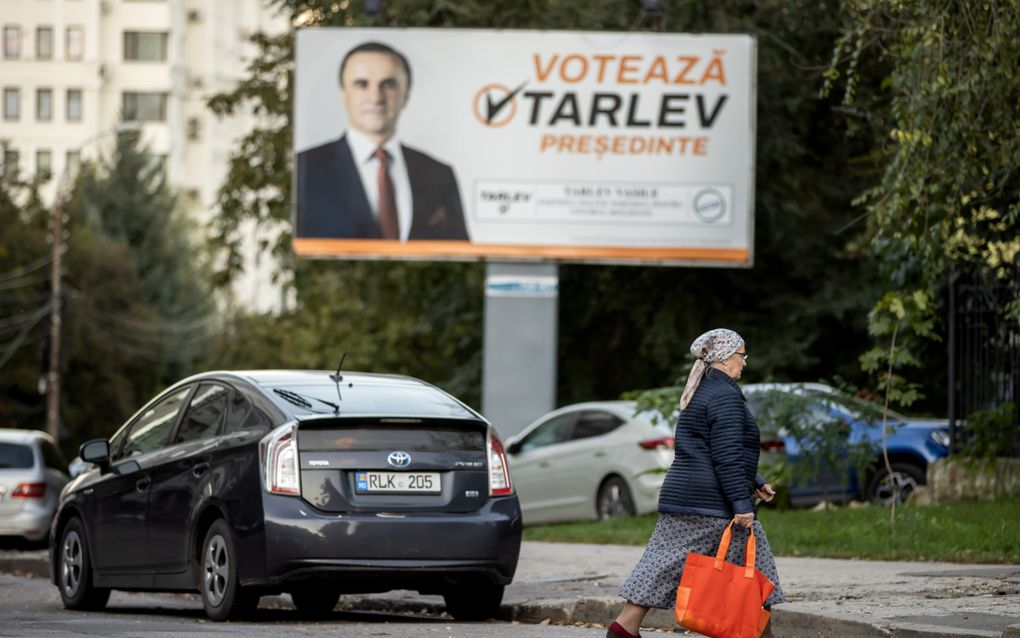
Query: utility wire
point(24, 270)
point(23, 318)
point(18, 341)
point(22, 282)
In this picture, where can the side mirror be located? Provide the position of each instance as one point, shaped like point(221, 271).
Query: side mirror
point(95, 451)
point(514, 448)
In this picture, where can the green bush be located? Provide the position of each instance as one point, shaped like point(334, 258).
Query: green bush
point(991, 434)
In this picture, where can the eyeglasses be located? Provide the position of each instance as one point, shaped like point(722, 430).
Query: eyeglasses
point(743, 354)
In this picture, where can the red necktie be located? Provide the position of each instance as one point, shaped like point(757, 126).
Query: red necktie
point(387, 198)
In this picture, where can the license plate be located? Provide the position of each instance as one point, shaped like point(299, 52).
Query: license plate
point(396, 482)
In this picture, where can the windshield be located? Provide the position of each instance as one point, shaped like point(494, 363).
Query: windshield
point(368, 398)
point(863, 407)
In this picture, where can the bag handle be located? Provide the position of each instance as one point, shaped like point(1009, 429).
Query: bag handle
point(749, 552)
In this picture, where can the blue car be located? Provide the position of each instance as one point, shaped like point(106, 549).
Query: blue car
point(912, 444)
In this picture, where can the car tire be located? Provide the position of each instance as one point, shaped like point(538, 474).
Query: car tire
point(474, 601)
point(905, 477)
point(222, 594)
point(313, 601)
point(74, 571)
point(614, 499)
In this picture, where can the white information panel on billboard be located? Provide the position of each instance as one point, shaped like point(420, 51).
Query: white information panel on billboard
point(608, 147)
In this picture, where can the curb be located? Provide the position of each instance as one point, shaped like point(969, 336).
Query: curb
point(598, 610)
point(36, 564)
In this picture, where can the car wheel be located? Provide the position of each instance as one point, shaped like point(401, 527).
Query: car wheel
point(905, 477)
point(222, 594)
point(315, 602)
point(614, 499)
point(74, 571)
point(474, 601)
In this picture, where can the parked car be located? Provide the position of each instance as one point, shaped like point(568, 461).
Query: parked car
point(590, 461)
point(912, 444)
point(238, 484)
point(32, 473)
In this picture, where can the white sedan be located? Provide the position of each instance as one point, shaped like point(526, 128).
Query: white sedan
point(590, 461)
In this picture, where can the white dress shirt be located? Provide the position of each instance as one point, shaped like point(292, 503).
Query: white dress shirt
point(363, 149)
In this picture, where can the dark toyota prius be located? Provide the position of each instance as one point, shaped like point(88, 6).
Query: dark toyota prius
point(239, 484)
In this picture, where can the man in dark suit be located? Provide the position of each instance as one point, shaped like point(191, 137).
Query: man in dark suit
point(367, 184)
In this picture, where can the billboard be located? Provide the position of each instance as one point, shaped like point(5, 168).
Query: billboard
point(543, 145)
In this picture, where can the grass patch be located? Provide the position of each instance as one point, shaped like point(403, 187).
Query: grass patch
point(963, 532)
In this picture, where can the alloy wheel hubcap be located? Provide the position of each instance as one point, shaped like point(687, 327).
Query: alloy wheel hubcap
point(897, 485)
point(612, 502)
point(71, 563)
point(215, 570)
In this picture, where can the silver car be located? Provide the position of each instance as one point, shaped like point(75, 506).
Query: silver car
point(590, 461)
point(32, 473)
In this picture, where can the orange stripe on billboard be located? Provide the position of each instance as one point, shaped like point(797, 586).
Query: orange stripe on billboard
point(368, 248)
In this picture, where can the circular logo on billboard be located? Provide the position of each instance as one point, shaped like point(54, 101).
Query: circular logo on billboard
point(399, 459)
point(495, 105)
point(709, 205)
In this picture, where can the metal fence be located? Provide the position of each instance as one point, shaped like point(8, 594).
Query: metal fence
point(984, 352)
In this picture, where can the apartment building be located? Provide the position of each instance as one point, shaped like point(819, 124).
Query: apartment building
point(72, 71)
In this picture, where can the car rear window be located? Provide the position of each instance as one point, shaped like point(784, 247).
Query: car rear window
point(15, 457)
point(369, 399)
point(384, 437)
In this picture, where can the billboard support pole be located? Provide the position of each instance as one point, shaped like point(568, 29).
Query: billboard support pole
point(519, 365)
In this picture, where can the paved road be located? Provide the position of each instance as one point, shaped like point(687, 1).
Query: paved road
point(31, 607)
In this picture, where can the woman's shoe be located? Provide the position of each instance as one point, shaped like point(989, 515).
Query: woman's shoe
point(616, 631)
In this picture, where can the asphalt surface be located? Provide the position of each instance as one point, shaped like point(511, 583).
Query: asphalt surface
point(562, 583)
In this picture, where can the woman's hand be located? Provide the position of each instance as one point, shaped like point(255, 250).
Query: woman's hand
point(744, 520)
point(765, 493)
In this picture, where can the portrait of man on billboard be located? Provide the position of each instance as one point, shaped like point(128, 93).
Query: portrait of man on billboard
point(367, 184)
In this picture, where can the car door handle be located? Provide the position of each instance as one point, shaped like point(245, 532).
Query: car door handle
point(143, 484)
point(599, 454)
point(199, 469)
point(543, 464)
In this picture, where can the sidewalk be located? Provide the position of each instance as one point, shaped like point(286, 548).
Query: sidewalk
point(574, 583)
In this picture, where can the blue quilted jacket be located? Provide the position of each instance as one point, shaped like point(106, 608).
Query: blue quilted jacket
point(714, 471)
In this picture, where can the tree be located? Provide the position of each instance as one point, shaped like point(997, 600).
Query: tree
point(127, 200)
point(105, 377)
point(944, 117)
point(25, 259)
point(802, 306)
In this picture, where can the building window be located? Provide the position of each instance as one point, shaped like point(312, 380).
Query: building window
point(144, 107)
point(72, 164)
point(44, 43)
point(11, 160)
point(12, 41)
point(43, 164)
point(75, 44)
point(74, 105)
point(44, 105)
point(141, 46)
point(12, 104)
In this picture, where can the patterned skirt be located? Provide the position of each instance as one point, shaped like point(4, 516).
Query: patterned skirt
point(655, 578)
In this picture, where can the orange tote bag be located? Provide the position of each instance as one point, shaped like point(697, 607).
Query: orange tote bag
point(720, 599)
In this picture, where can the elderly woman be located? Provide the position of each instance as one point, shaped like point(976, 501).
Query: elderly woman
point(712, 481)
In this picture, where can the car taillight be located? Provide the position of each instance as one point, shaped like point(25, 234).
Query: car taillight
point(280, 461)
point(776, 444)
point(499, 471)
point(651, 444)
point(29, 490)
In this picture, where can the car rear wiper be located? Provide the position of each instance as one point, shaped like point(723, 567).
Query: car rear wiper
point(301, 400)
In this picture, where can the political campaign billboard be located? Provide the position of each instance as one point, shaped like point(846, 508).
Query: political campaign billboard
point(524, 145)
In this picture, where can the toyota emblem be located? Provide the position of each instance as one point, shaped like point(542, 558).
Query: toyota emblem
point(399, 459)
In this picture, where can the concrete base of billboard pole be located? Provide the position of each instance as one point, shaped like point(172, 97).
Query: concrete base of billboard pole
point(519, 366)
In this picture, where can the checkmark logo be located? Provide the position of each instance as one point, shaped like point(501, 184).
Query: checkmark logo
point(495, 105)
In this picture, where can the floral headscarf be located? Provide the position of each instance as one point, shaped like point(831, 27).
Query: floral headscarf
point(712, 347)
